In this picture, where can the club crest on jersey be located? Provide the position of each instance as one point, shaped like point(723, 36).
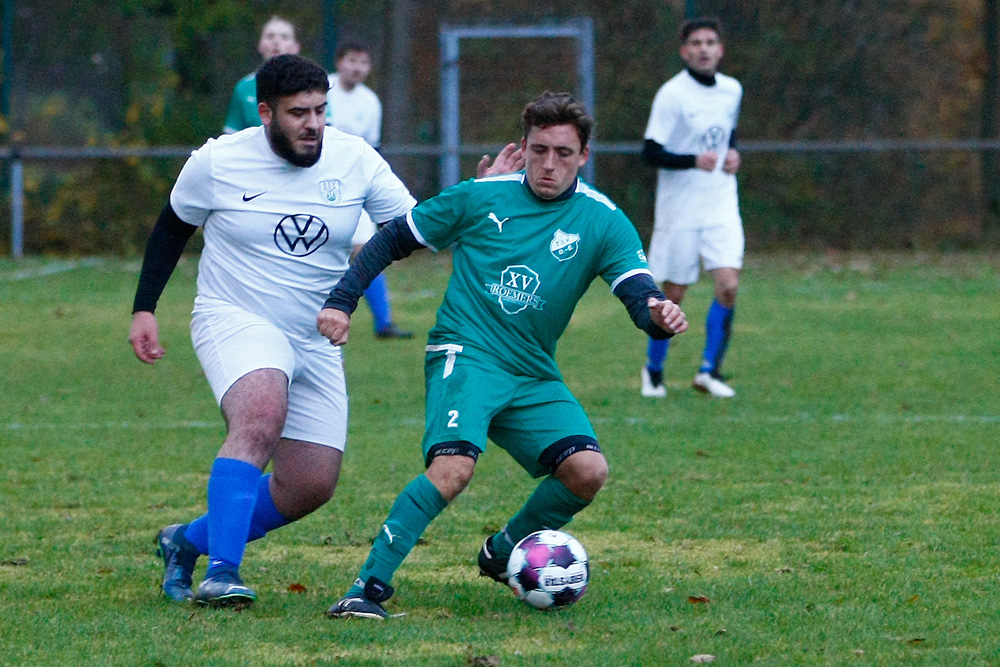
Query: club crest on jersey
point(713, 138)
point(516, 289)
point(300, 235)
point(330, 191)
point(564, 246)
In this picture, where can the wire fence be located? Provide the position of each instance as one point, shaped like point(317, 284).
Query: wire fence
point(14, 158)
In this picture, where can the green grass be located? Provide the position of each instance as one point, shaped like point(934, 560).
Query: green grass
point(841, 510)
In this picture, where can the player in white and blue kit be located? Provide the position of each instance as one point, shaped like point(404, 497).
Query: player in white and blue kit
point(691, 138)
point(278, 205)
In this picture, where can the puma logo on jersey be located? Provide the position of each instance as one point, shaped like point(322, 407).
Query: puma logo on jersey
point(388, 532)
point(494, 218)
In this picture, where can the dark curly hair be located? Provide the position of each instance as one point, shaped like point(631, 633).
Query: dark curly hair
point(289, 74)
point(691, 25)
point(550, 109)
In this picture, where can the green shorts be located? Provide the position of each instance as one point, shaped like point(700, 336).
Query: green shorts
point(468, 400)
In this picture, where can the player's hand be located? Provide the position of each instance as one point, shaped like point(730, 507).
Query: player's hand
point(667, 315)
point(145, 337)
point(732, 162)
point(334, 324)
point(706, 161)
point(509, 159)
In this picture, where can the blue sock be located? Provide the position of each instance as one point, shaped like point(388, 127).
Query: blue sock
point(232, 494)
point(718, 325)
point(656, 353)
point(266, 518)
point(377, 296)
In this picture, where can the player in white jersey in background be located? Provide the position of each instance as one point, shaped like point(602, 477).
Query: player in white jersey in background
point(690, 138)
point(354, 108)
point(279, 205)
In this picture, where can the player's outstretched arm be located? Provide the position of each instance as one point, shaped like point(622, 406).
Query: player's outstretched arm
point(334, 324)
point(145, 337)
point(667, 315)
point(508, 160)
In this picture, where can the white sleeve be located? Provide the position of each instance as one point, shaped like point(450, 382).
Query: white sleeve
point(192, 195)
point(375, 133)
point(662, 117)
point(387, 197)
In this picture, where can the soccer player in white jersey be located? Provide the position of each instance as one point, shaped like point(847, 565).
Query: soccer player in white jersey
point(278, 205)
point(354, 108)
point(691, 139)
point(525, 249)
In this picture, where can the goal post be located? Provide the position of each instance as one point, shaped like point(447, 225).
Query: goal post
point(580, 29)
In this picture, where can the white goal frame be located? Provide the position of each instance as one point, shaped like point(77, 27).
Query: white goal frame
point(579, 29)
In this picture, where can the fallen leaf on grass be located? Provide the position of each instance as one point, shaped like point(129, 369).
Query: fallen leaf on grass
point(14, 562)
point(296, 588)
point(698, 599)
point(702, 658)
point(104, 570)
point(915, 641)
point(484, 661)
point(702, 454)
point(912, 599)
point(785, 570)
point(720, 632)
point(675, 628)
point(858, 652)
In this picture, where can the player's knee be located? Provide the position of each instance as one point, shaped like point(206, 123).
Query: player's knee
point(450, 467)
point(578, 463)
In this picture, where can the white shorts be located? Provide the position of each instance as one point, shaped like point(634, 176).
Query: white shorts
point(674, 252)
point(365, 231)
point(231, 342)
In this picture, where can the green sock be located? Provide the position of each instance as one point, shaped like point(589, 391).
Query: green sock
point(551, 506)
point(410, 515)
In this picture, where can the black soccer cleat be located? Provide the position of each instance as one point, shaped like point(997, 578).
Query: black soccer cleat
point(393, 331)
point(366, 605)
point(490, 565)
point(225, 589)
point(179, 557)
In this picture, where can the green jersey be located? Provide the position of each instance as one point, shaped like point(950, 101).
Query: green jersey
point(521, 264)
point(243, 106)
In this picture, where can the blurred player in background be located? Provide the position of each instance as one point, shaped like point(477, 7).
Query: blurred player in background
point(354, 108)
point(525, 249)
point(276, 37)
point(691, 139)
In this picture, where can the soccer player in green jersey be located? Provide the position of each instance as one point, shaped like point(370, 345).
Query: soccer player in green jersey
point(525, 248)
point(277, 37)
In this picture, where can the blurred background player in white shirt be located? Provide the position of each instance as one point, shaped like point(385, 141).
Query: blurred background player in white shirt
point(690, 139)
point(354, 108)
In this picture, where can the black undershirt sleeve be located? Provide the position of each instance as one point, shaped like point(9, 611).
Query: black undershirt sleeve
point(732, 138)
point(163, 250)
point(394, 241)
point(634, 292)
point(656, 156)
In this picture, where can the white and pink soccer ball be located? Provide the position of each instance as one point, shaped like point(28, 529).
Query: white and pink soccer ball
point(548, 569)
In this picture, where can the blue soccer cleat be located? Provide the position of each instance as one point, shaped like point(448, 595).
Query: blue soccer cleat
point(179, 557)
point(224, 589)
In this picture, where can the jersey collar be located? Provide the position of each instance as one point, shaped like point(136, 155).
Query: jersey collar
point(567, 193)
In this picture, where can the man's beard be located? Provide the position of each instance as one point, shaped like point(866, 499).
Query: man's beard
point(282, 146)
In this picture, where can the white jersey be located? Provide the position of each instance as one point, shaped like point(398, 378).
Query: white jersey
point(689, 118)
point(277, 236)
point(357, 112)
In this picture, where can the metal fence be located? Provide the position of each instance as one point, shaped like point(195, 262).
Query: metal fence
point(15, 158)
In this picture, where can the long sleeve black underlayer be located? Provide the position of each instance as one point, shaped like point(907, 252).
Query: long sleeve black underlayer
point(634, 292)
point(163, 250)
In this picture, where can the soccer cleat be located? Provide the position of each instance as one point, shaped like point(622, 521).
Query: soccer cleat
point(179, 557)
point(489, 565)
point(366, 605)
point(392, 331)
point(706, 383)
point(225, 589)
point(652, 384)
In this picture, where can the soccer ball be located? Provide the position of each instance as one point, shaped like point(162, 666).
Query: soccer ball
point(548, 569)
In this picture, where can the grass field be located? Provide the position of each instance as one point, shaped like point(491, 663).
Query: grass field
point(842, 509)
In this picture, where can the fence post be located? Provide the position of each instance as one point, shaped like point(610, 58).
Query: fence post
point(17, 207)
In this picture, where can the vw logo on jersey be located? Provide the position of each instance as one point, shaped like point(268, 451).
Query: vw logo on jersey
point(300, 235)
point(330, 191)
point(713, 138)
point(564, 246)
point(516, 289)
